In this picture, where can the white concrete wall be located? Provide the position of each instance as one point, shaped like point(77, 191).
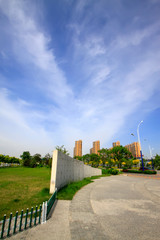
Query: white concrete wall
point(66, 169)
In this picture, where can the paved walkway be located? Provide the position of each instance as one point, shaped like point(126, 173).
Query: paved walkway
point(154, 176)
point(115, 208)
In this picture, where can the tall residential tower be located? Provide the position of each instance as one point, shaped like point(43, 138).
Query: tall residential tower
point(96, 147)
point(78, 148)
point(134, 148)
point(115, 144)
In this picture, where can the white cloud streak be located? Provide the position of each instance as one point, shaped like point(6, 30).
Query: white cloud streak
point(31, 46)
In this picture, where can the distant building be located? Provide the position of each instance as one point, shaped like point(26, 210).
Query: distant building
point(115, 144)
point(78, 148)
point(134, 148)
point(96, 147)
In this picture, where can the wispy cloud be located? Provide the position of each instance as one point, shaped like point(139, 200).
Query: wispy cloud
point(31, 47)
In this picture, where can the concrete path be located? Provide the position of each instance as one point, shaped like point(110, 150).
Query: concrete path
point(115, 208)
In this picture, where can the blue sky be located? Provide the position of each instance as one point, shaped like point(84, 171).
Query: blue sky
point(73, 70)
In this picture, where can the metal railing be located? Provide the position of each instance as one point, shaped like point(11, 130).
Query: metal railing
point(23, 221)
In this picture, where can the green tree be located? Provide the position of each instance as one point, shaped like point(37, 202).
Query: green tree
point(80, 158)
point(26, 158)
point(47, 160)
point(156, 161)
point(128, 163)
point(95, 159)
point(86, 158)
point(62, 149)
point(36, 160)
point(119, 154)
point(105, 156)
point(91, 159)
point(2, 158)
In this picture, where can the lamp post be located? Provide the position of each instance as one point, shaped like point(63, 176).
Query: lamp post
point(140, 144)
point(150, 149)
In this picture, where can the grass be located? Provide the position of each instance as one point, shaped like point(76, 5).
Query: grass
point(67, 192)
point(22, 188)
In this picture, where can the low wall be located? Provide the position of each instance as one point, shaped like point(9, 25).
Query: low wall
point(66, 169)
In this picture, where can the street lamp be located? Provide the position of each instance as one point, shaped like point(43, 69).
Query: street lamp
point(140, 143)
point(150, 149)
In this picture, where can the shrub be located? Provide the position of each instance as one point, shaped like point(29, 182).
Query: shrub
point(139, 171)
point(150, 172)
point(114, 172)
point(125, 169)
point(110, 171)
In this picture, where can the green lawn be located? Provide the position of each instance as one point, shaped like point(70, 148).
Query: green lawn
point(22, 188)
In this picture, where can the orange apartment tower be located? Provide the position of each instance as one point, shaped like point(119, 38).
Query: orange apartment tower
point(78, 148)
point(115, 144)
point(96, 147)
point(134, 148)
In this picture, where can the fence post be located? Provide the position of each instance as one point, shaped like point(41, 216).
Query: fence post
point(30, 224)
point(9, 225)
point(20, 224)
point(35, 216)
point(15, 222)
point(3, 225)
point(40, 211)
point(25, 226)
point(44, 212)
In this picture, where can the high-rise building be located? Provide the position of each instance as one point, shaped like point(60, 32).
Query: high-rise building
point(78, 148)
point(134, 148)
point(96, 147)
point(115, 144)
point(91, 150)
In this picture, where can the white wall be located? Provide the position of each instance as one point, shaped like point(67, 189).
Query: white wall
point(66, 169)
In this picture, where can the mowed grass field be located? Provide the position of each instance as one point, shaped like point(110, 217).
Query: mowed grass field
point(22, 188)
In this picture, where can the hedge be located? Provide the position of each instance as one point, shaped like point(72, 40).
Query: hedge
point(139, 171)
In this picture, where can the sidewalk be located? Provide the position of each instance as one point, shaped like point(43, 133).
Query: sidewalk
point(110, 208)
point(56, 228)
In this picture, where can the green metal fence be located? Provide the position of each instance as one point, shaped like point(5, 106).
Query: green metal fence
point(26, 220)
point(51, 202)
point(20, 222)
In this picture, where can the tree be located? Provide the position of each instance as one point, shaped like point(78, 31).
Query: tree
point(105, 156)
point(2, 158)
point(91, 159)
point(47, 160)
point(94, 159)
point(26, 158)
point(119, 154)
point(86, 158)
point(156, 161)
point(62, 149)
point(80, 158)
point(128, 163)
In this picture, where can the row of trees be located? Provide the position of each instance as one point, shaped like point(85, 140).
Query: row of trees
point(8, 159)
point(35, 160)
point(32, 161)
point(116, 156)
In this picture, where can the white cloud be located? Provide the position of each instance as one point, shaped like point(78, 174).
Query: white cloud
point(136, 37)
point(31, 46)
